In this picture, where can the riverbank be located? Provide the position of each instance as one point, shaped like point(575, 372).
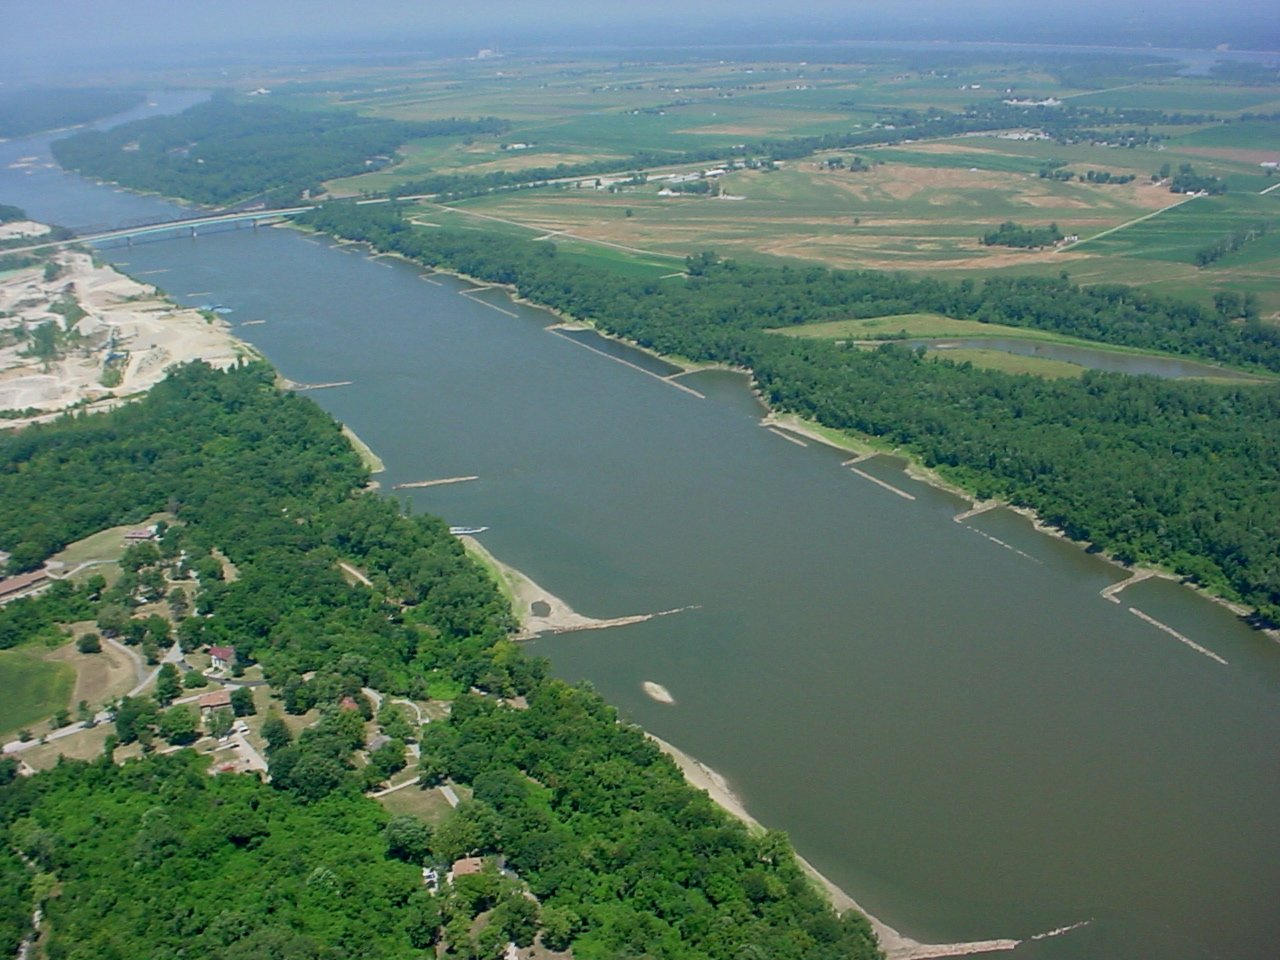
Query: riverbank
point(896, 946)
point(538, 610)
point(556, 616)
point(868, 447)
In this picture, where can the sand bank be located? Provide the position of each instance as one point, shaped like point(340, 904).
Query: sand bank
point(110, 329)
point(371, 460)
point(416, 484)
point(656, 691)
point(539, 610)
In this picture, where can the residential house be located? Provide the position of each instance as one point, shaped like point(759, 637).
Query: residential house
point(214, 701)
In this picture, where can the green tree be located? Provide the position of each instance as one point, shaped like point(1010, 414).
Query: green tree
point(408, 838)
point(276, 732)
point(242, 702)
point(559, 926)
point(168, 684)
point(89, 643)
point(221, 722)
point(423, 925)
point(133, 716)
point(178, 725)
point(112, 620)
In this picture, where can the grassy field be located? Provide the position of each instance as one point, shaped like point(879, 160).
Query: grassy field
point(105, 546)
point(99, 677)
point(1012, 363)
point(430, 805)
point(924, 214)
point(82, 745)
point(905, 325)
point(34, 689)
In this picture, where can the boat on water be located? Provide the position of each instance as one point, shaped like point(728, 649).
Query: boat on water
point(466, 531)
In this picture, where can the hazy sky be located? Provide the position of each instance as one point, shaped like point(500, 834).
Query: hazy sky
point(63, 32)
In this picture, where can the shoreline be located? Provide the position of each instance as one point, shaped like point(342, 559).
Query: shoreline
point(861, 444)
point(525, 595)
point(896, 945)
point(561, 618)
point(868, 446)
point(913, 468)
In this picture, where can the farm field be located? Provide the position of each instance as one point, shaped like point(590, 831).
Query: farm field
point(913, 209)
point(921, 207)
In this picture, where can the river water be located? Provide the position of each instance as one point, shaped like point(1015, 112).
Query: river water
point(947, 718)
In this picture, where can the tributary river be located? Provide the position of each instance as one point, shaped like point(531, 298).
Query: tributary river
point(948, 718)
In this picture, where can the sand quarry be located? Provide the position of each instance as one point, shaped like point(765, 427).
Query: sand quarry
point(128, 332)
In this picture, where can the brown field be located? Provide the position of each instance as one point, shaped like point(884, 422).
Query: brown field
point(82, 745)
point(100, 677)
point(950, 146)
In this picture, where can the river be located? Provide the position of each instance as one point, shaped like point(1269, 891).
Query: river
point(948, 718)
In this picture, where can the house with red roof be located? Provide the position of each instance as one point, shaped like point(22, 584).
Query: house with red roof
point(222, 657)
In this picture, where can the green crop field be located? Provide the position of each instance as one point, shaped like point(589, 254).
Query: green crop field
point(32, 689)
point(1252, 134)
point(1180, 231)
point(1011, 363)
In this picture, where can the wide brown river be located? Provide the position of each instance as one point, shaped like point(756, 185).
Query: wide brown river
point(948, 718)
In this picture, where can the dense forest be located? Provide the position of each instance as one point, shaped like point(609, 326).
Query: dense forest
point(31, 110)
point(1179, 473)
point(221, 151)
point(621, 857)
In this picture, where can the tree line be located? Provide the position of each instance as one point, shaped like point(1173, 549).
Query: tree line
point(1213, 252)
